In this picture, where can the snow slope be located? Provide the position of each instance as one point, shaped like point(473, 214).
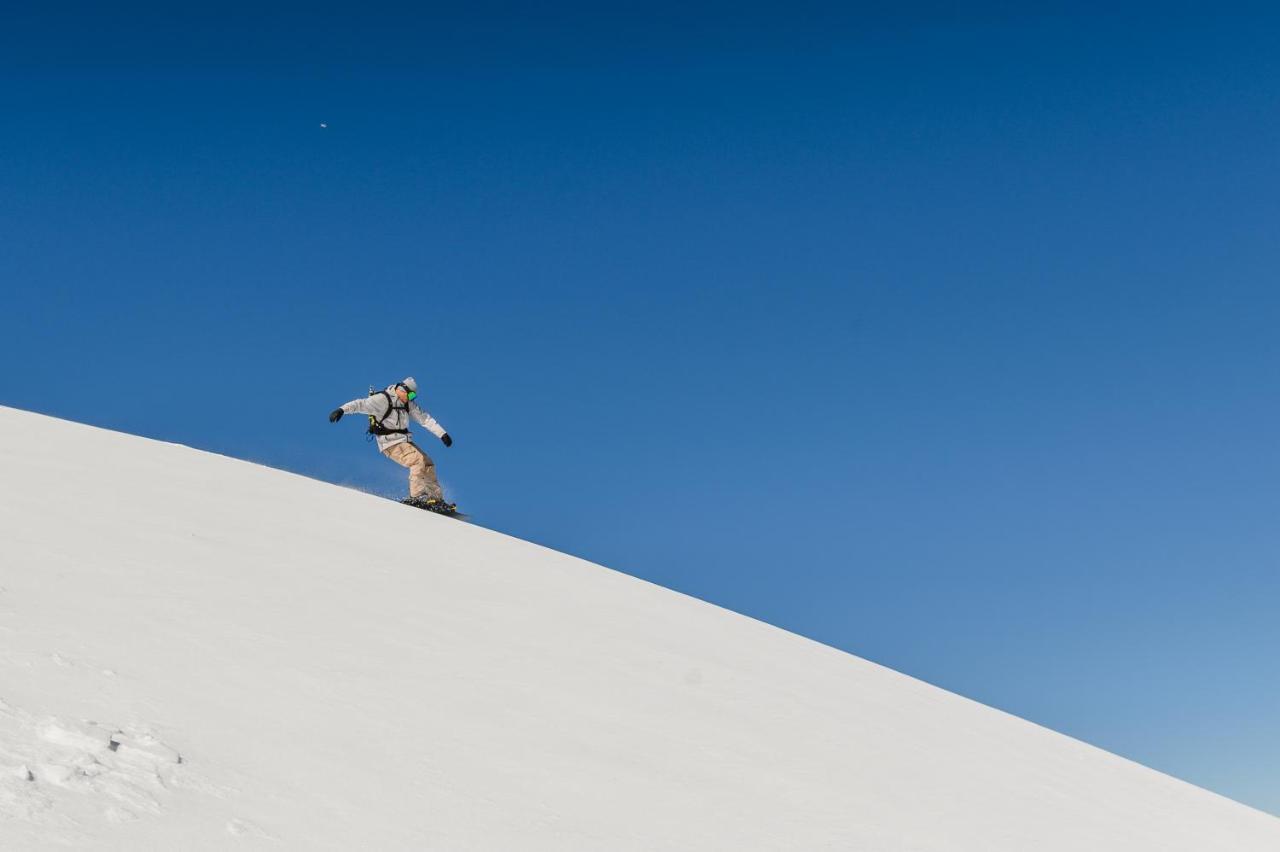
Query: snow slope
point(201, 653)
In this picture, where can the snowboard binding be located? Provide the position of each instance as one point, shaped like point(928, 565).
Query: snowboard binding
point(431, 505)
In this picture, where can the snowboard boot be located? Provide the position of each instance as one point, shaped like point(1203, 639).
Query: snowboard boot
point(439, 507)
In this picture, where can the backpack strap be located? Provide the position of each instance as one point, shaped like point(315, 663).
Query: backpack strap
point(375, 423)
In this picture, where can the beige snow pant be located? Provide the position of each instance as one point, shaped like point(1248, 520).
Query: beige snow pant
point(422, 470)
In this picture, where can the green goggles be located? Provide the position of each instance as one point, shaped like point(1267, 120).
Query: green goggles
point(409, 395)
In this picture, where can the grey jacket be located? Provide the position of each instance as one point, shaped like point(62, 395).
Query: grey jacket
point(396, 418)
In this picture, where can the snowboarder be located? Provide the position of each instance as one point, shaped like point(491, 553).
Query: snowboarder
point(389, 412)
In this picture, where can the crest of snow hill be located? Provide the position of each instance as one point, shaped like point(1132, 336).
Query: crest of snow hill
point(201, 653)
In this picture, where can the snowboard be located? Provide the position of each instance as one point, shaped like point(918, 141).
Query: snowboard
point(449, 510)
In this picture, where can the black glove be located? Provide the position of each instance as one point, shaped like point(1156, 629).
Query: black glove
point(335, 415)
point(448, 442)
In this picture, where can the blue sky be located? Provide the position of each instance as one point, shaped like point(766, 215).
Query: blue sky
point(944, 338)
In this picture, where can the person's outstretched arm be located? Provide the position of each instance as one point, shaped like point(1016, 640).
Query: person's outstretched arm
point(429, 423)
point(376, 405)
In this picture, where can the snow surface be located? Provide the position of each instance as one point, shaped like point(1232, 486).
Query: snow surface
point(201, 653)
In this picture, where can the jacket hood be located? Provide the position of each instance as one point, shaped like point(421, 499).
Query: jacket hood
point(407, 381)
